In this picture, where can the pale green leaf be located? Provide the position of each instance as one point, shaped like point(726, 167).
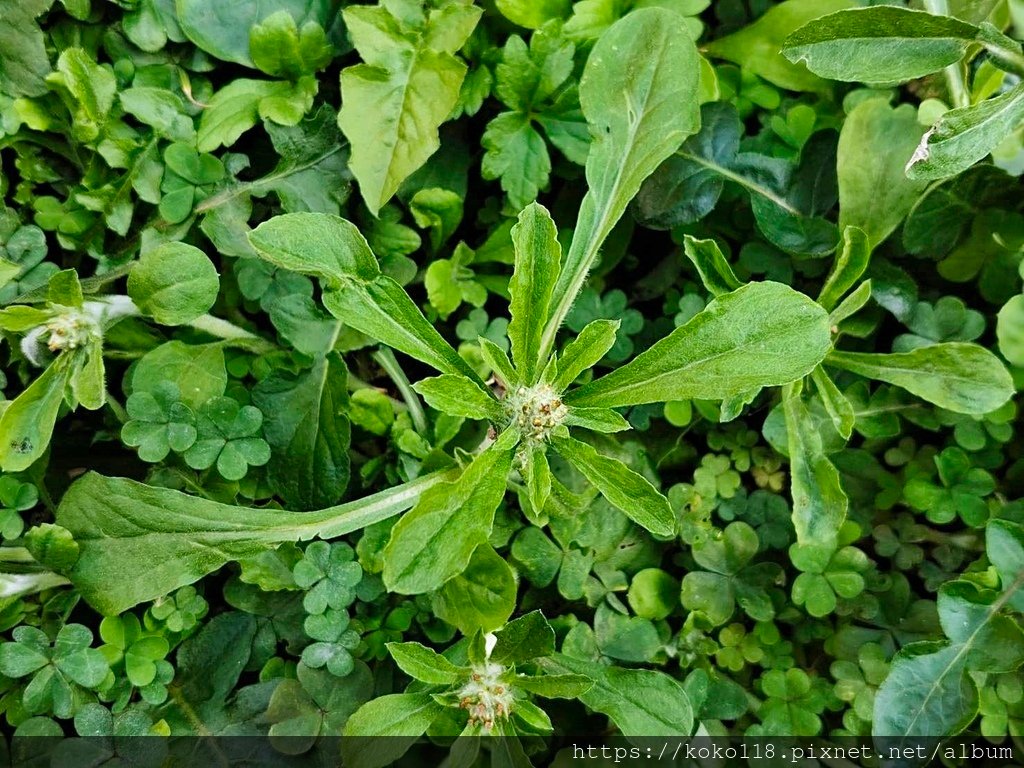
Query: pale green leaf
point(168, 539)
point(435, 540)
point(960, 377)
point(763, 334)
point(393, 103)
point(639, 95)
point(883, 44)
point(624, 488)
point(962, 137)
point(538, 257)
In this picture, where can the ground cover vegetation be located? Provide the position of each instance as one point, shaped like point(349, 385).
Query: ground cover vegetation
point(532, 369)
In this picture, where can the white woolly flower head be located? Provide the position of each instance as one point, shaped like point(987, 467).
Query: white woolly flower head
point(71, 328)
point(485, 695)
point(535, 410)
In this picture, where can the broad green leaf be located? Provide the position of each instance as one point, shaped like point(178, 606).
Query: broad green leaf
point(281, 49)
point(161, 109)
point(956, 376)
point(874, 144)
point(24, 65)
point(850, 264)
point(883, 44)
point(394, 721)
point(423, 664)
point(533, 14)
point(458, 396)
point(222, 30)
point(1010, 330)
point(197, 369)
point(639, 95)
point(757, 46)
point(528, 637)
point(624, 488)
point(763, 334)
point(640, 702)
point(582, 353)
point(962, 137)
point(26, 425)
point(930, 690)
point(174, 283)
point(394, 102)
point(167, 539)
point(92, 88)
point(538, 258)
point(332, 249)
point(305, 424)
point(435, 540)
point(714, 270)
point(1004, 545)
point(482, 597)
point(240, 104)
point(324, 246)
point(819, 503)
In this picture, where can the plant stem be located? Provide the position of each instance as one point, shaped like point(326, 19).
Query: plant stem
point(230, 332)
point(386, 358)
point(958, 94)
point(117, 408)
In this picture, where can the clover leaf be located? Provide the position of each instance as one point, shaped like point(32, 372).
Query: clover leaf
point(159, 422)
point(15, 497)
point(228, 436)
point(58, 670)
point(961, 490)
point(329, 574)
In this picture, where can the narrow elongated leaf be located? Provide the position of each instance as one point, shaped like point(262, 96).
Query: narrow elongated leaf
point(761, 335)
point(640, 702)
point(333, 249)
point(839, 409)
point(435, 540)
point(537, 475)
point(819, 504)
point(624, 488)
point(538, 258)
point(168, 539)
point(596, 419)
point(957, 376)
point(853, 259)
point(497, 360)
point(458, 396)
point(582, 353)
point(393, 104)
point(966, 135)
point(423, 664)
point(27, 424)
point(639, 95)
point(714, 270)
point(883, 44)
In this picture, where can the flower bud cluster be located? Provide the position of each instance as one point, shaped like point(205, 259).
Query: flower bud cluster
point(535, 410)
